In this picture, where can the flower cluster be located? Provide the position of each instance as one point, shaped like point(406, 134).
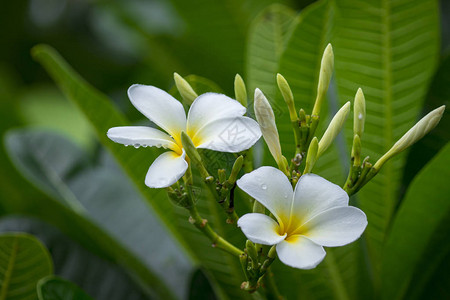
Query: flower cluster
point(307, 212)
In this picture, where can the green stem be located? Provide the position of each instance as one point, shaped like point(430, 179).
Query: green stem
point(202, 224)
point(217, 240)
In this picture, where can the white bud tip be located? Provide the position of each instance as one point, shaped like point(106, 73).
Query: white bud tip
point(258, 93)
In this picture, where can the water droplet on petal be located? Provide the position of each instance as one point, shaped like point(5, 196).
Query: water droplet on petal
point(136, 146)
point(360, 116)
point(264, 187)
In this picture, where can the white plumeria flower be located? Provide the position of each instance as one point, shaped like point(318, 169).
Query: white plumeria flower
point(214, 122)
point(316, 214)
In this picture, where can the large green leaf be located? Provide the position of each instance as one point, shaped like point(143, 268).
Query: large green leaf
point(53, 164)
point(267, 38)
point(102, 115)
point(417, 242)
point(23, 261)
point(58, 166)
point(76, 263)
point(389, 49)
point(56, 288)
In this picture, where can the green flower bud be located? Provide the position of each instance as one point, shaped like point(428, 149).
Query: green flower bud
point(425, 125)
point(237, 166)
point(186, 91)
point(251, 250)
point(326, 70)
point(334, 128)
point(288, 96)
point(359, 112)
point(312, 156)
point(240, 91)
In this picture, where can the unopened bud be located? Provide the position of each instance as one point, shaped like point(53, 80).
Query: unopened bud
point(359, 111)
point(425, 125)
point(288, 96)
point(251, 250)
point(240, 91)
point(237, 166)
point(311, 157)
point(334, 128)
point(326, 70)
point(266, 119)
point(302, 116)
point(186, 91)
point(272, 252)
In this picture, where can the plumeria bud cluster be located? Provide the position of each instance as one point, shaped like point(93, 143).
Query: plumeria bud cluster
point(361, 173)
point(255, 264)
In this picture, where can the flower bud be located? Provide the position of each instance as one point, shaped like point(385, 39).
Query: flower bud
point(240, 91)
point(425, 125)
point(251, 250)
point(326, 70)
point(311, 157)
point(288, 96)
point(266, 119)
point(237, 166)
point(359, 111)
point(334, 128)
point(186, 91)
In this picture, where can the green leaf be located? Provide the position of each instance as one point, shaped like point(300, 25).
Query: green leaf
point(56, 288)
point(417, 241)
point(268, 35)
point(23, 261)
point(76, 263)
point(62, 170)
point(224, 268)
point(390, 50)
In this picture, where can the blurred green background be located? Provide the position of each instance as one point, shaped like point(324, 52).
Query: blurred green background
point(113, 44)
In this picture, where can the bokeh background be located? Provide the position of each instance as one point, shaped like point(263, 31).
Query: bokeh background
point(114, 44)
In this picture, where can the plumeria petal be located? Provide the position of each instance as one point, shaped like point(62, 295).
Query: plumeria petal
point(337, 226)
point(228, 135)
point(166, 170)
point(260, 229)
point(160, 107)
point(314, 194)
point(210, 107)
point(300, 252)
point(271, 188)
point(142, 136)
